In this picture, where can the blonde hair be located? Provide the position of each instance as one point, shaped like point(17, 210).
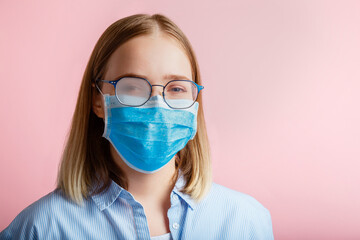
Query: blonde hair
point(86, 165)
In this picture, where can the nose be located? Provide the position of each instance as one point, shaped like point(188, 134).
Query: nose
point(157, 90)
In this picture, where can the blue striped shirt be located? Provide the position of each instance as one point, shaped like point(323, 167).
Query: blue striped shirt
point(115, 214)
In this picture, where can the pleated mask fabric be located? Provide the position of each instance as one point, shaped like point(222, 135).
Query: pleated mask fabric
point(149, 136)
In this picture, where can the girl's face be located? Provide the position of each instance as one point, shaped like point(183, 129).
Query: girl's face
point(156, 57)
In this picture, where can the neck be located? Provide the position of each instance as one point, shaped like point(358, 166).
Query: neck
point(155, 186)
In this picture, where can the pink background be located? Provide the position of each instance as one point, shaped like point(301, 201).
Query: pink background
point(282, 94)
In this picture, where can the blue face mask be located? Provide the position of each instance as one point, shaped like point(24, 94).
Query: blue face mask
point(149, 136)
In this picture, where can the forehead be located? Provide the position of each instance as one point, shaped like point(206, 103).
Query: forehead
point(154, 56)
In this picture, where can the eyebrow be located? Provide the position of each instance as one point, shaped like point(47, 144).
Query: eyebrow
point(167, 77)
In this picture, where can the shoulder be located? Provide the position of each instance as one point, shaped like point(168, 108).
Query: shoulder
point(41, 216)
point(50, 205)
point(237, 212)
point(233, 199)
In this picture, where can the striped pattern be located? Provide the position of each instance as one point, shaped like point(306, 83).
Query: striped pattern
point(115, 214)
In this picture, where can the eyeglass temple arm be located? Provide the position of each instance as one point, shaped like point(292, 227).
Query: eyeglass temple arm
point(199, 87)
point(105, 81)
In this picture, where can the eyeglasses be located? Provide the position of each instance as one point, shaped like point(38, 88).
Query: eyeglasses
point(136, 91)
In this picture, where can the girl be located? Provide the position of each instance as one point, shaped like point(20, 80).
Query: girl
point(136, 164)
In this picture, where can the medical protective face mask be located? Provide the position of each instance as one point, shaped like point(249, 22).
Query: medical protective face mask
point(149, 136)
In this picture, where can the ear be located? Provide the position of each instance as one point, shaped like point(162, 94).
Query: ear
point(97, 102)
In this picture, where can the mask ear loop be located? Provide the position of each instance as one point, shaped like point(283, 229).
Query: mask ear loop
point(97, 87)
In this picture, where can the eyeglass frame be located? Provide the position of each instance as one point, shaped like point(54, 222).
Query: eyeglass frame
point(114, 82)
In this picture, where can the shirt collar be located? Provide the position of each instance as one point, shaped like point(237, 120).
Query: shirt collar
point(179, 185)
point(108, 196)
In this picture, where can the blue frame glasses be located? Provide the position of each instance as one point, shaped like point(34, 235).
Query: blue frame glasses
point(115, 84)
